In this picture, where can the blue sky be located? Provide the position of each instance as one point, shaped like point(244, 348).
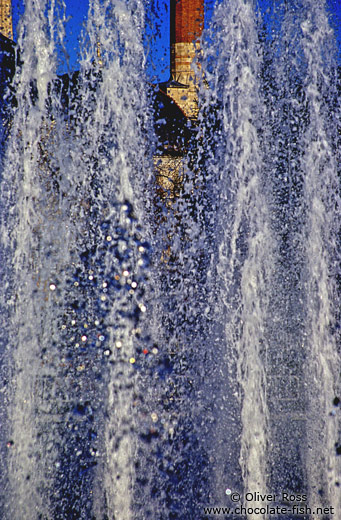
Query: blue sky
point(77, 11)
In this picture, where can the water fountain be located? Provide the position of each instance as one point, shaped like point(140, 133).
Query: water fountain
point(162, 352)
point(265, 263)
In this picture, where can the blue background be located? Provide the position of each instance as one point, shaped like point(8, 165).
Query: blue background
point(158, 69)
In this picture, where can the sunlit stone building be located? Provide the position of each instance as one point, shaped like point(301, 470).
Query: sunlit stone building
point(186, 25)
point(6, 44)
point(177, 100)
point(6, 26)
point(7, 61)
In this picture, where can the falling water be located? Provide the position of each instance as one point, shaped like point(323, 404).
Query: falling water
point(77, 265)
point(244, 254)
point(322, 259)
point(160, 349)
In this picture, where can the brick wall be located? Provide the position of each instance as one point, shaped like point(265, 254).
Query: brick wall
point(187, 20)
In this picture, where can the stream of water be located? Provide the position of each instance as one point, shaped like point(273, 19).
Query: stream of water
point(161, 352)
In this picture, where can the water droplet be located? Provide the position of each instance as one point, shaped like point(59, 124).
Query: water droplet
point(52, 287)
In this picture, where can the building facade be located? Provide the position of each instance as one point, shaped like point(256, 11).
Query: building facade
point(177, 99)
